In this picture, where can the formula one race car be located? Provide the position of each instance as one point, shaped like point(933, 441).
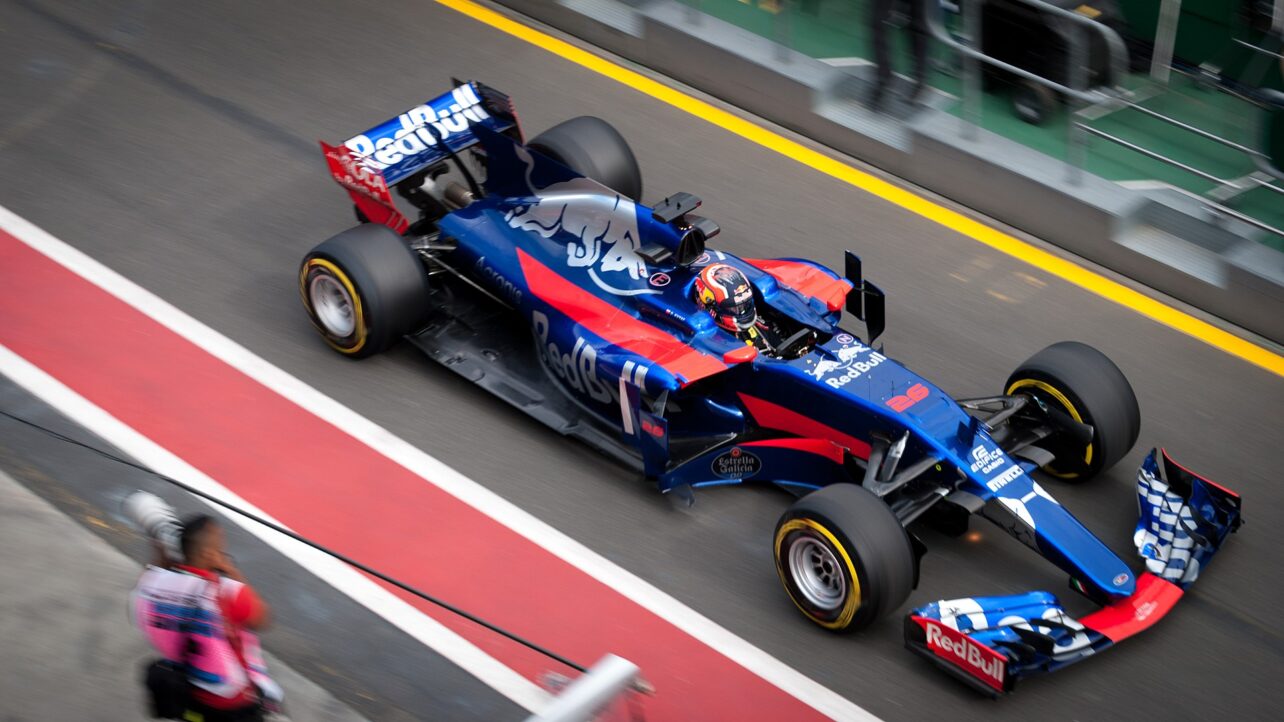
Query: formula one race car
point(531, 269)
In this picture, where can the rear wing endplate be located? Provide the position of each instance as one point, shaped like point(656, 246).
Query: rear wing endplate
point(366, 186)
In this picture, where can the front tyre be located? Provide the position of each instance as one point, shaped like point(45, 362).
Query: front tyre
point(843, 557)
point(363, 290)
point(1086, 385)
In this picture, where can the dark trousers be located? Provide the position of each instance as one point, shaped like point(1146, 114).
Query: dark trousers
point(880, 13)
point(197, 712)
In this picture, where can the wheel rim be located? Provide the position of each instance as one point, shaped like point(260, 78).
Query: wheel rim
point(1051, 393)
point(332, 305)
point(817, 573)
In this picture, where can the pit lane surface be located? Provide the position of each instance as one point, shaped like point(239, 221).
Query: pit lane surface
point(175, 144)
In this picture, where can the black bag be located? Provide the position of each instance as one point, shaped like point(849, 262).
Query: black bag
point(167, 689)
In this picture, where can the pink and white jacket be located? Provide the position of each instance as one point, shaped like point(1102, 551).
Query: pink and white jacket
point(173, 606)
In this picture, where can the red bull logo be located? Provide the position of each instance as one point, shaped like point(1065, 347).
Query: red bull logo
point(599, 225)
point(977, 660)
point(577, 369)
point(388, 145)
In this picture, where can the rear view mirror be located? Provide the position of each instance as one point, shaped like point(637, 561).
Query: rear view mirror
point(855, 297)
point(865, 301)
point(875, 312)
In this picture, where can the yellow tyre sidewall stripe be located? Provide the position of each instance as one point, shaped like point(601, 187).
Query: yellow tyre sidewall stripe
point(976, 230)
point(853, 602)
point(321, 265)
point(1060, 398)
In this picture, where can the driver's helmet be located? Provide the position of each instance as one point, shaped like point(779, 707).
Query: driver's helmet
point(726, 294)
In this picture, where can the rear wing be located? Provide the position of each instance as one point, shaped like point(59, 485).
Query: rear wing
point(370, 163)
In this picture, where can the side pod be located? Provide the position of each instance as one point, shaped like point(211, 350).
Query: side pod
point(650, 432)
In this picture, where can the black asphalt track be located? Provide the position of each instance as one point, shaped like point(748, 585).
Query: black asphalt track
point(174, 142)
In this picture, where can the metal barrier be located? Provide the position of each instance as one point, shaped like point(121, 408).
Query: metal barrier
point(1165, 40)
point(1224, 189)
point(1076, 67)
point(1236, 186)
point(1076, 93)
point(1210, 205)
point(582, 700)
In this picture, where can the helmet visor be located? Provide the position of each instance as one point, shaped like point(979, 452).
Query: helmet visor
point(738, 309)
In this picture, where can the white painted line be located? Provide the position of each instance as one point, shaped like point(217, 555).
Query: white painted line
point(786, 678)
point(361, 589)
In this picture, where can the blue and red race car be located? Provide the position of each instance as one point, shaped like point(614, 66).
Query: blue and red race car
point(532, 269)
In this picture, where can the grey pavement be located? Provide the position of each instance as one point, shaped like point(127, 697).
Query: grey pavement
point(73, 652)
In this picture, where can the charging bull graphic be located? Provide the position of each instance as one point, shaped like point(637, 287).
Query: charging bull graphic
point(604, 225)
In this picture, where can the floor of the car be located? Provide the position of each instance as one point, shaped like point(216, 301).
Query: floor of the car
point(486, 344)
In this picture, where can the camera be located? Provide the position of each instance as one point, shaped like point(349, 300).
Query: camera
point(158, 520)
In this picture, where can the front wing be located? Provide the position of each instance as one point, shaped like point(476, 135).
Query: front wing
point(991, 643)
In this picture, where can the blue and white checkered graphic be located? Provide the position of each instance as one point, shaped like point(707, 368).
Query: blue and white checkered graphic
point(1162, 537)
point(1183, 521)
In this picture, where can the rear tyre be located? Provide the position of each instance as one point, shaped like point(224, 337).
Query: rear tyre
point(594, 149)
point(1082, 382)
point(843, 557)
point(363, 290)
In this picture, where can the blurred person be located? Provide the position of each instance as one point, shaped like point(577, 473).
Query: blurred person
point(199, 613)
point(880, 19)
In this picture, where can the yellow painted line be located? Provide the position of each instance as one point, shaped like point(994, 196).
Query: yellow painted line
point(992, 237)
